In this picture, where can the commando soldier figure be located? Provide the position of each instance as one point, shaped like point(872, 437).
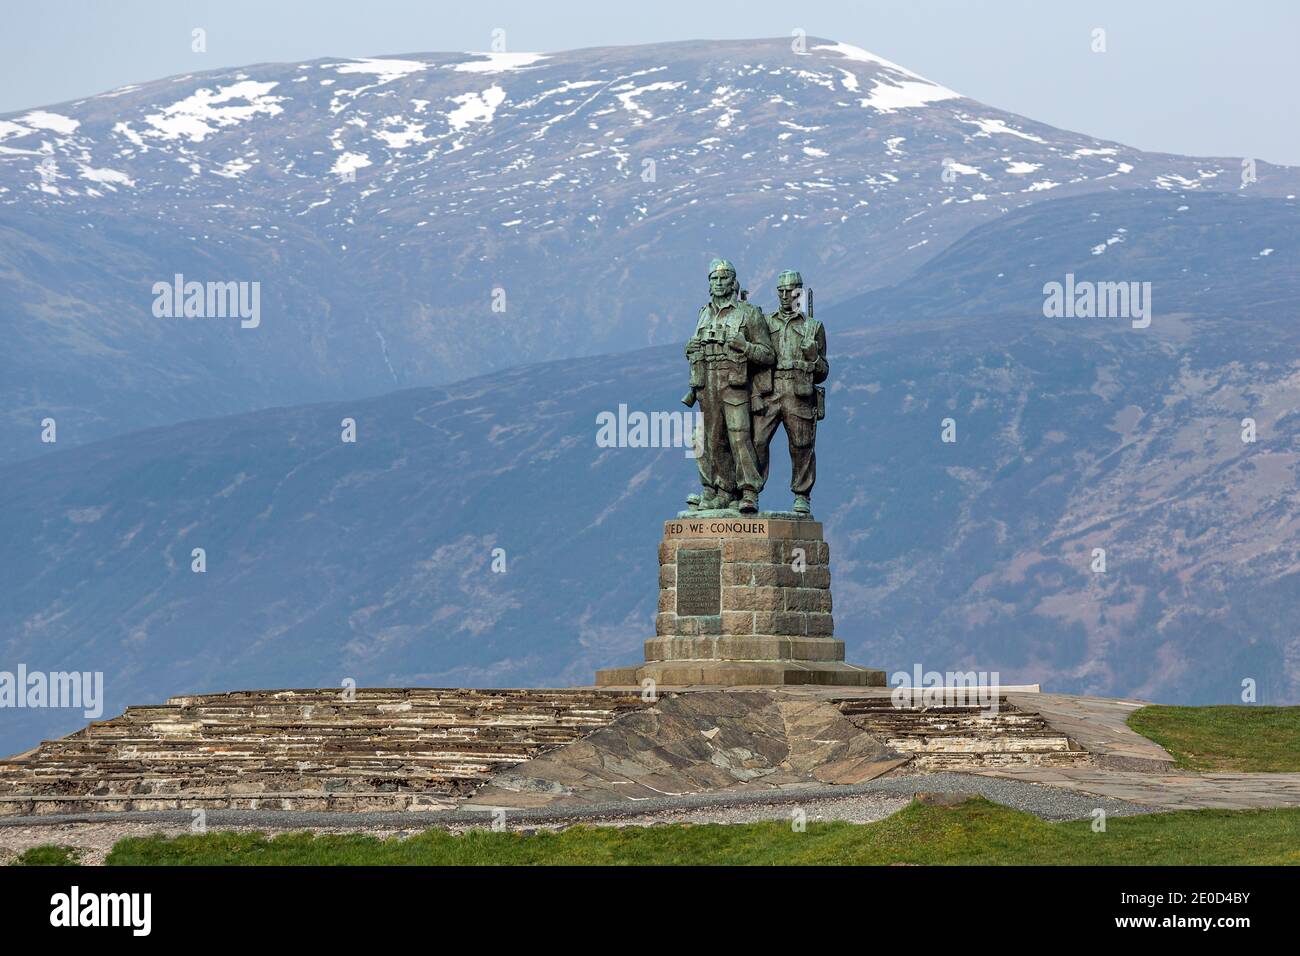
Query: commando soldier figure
point(796, 399)
point(730, 356)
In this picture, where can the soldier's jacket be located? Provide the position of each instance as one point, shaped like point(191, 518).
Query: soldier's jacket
point(790, 338)
point(708, 348)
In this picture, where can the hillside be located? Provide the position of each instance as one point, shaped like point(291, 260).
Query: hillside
point(373, 560)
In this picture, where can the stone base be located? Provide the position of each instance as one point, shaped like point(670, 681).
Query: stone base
point(742, 673)
point(744, 601)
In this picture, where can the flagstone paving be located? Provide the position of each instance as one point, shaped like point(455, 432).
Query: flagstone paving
point(1168, 791)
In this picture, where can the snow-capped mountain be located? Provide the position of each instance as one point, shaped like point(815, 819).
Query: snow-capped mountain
point(417, 218)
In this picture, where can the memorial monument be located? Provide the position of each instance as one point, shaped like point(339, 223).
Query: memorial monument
point(745, 595)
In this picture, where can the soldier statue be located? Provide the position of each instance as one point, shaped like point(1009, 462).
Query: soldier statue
point(796, 399)
point(730, 357)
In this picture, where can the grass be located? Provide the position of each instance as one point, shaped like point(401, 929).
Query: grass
point(975, 832)
point(49, 854)
point(1239, 739)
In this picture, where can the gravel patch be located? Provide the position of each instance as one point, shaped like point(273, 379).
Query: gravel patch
point(860, 808)
point(1049, 803)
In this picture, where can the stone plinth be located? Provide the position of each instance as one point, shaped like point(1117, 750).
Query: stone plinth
point(744, 600)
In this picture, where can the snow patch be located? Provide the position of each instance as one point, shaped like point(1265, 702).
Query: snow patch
point(400, 133)
point(900, 91)
point(891, 96)
point(111, 177)
point(475, 107)
point(350, 162)
point(851, 52)
point(988, 126)
point(124, 129)
point(498, 62)
point(200, 114)
point(386, 69)
point(1020, 168)
point(54, 122)
point(628, 98)
point(1102, 246)
point(233, 169)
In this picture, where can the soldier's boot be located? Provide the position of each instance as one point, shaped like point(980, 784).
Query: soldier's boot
point(802, 505)
point(693, 502)
point(748, 502)
point(713, 499)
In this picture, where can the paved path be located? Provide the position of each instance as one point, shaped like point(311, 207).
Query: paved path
point(1177, 790)
point(1100, 726)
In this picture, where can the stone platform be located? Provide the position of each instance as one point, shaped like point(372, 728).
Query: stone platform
point(425, 751)
point(744, 600)
point(311, 750)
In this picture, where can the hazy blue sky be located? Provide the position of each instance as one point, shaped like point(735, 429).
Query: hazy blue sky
point(1193, 76)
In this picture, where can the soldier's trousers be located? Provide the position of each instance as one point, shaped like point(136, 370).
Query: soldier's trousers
point(799, 416)
point(728, 437)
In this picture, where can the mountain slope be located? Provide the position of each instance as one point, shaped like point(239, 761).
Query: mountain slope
point(374, 560)
point(1216, 254)
point(388, 206)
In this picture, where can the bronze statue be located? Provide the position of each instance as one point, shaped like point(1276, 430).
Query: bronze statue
point(796, 399)
point(730, 357)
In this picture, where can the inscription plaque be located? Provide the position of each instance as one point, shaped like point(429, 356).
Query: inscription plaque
point(716, 528)
point(759, 528)
point(699, 581)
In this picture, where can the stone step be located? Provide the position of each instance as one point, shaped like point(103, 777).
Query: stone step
point(972, 761)
point(288, 737)
point(953, 737)
point(142, 780)
point(98, 770)
point(271, 799)
point(1037, 743)
point(414, 742)
point(914, 723)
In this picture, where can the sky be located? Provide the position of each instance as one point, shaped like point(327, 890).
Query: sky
point(1192, 77)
